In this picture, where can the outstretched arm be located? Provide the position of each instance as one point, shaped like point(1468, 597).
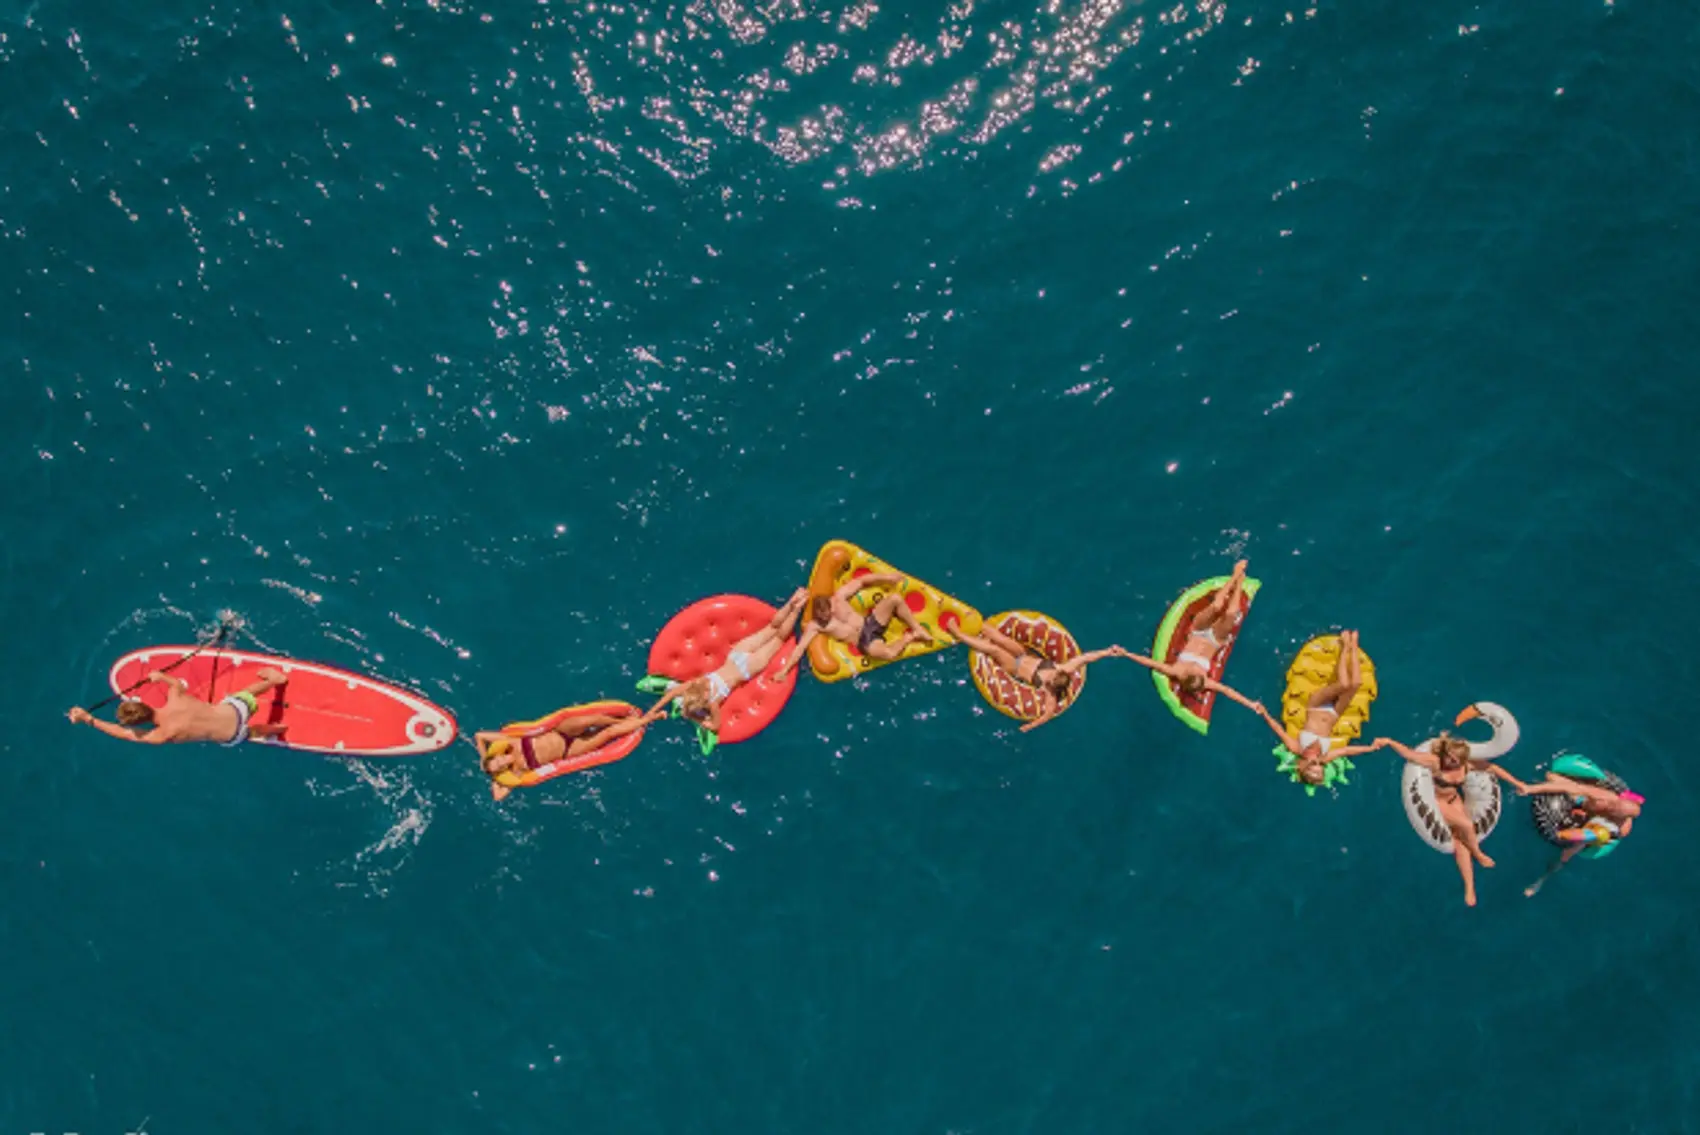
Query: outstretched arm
point(165, 679)
point(1287, 739)
point(1425, 759)
point(1358, 750)
point(123, 733)
point(872, 579)
point(1047, 711)
point(678, 688)
point(1233, 695)
point(1081, 661)
point(1546, 788)
point(1489, 766)
point(1148, 663)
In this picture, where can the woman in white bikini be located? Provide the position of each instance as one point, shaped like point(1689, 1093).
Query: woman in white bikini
point(1314, 746)
point(700, 698)
point(1211, 631)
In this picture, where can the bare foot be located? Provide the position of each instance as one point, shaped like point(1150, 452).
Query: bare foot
point(1483, 860)
point(1239, 569)
point(1529, 892)
point(1470, 897)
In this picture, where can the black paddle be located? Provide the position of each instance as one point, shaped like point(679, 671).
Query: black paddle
point(224, 628)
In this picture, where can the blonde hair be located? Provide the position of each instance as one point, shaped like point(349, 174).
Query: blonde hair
point(1454, 748)
point(500, 747)
point(693, 699)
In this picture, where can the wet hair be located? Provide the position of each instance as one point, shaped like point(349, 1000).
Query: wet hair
point(820, 609)
point(134, 713)
point(1191, 683)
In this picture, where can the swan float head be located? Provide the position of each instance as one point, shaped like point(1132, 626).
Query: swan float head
point(1505, 731)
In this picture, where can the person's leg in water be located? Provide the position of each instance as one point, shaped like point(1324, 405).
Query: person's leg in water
point(1461, 856)
point(893, 606)
point(1564, 857)
point(991, 647)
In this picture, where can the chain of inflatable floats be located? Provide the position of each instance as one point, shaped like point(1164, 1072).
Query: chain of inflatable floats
point(696, 641)
point(336, 711)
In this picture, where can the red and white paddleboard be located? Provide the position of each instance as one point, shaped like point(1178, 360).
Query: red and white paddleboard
point(322, 709)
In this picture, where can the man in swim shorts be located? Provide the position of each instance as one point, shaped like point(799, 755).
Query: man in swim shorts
point(185, 717)
point(832, 616)
point(1314, 746)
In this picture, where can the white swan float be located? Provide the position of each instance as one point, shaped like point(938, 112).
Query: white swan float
point(1481, 789)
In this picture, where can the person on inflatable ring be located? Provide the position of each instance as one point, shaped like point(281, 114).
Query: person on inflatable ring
point(1449, 765)
point(700, 698)
point(573, 737)
point(832, 616)
point(1314, 746)
point(1053, 680)
point(1597, 816)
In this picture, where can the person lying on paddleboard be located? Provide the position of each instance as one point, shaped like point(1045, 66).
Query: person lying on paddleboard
point(185, 717)
point(700, 698)
point(1052, 680)
point(832, 616)
point(1449, 763)
point(1597, 815)
point(572, 738)
point(1315, 745)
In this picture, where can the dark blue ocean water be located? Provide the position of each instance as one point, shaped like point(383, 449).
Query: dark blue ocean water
point(465, 344)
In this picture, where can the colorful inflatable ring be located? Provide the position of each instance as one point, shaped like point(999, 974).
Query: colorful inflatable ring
point(1482, 797)
point(607, 754)
point(1042, 635)
point(1552, 813)
point(697, 640)
point(1194, 709)
point(837, 564)
point(1311, 670)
